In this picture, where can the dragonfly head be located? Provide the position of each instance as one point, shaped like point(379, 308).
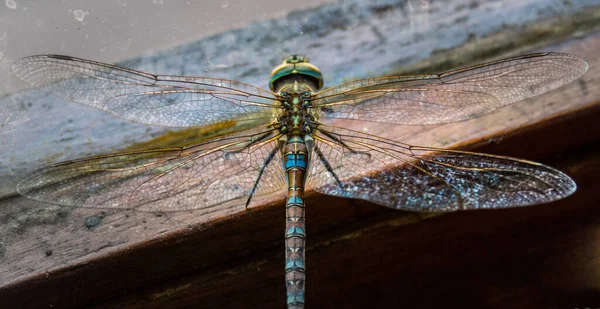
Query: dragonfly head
point(295, 68)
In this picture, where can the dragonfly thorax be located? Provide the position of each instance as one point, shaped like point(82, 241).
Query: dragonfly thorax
point(296, 81)
point(299, 115)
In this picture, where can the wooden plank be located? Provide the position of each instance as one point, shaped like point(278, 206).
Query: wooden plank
point(355, 248)
point(535, 256)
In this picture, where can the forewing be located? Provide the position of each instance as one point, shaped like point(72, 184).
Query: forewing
point(173, 101)
point(212, 176)
point(451, 96)
point(396, 175)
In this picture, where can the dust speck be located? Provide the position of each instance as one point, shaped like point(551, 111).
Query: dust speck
point(11, 4)
point(80, 15)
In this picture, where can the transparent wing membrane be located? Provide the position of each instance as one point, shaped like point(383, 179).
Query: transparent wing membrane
point(451, 96)
point(173, 101)
point(401, 176)
point(222, 174)
point(217, 175)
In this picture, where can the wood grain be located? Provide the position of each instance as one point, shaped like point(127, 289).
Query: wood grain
point(359, 255)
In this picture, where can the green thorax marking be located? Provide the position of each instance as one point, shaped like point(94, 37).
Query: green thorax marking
point(299, 116)
point(296, 81)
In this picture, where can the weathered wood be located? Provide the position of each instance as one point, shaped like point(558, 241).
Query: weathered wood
point(359, 255)
point(362, 255)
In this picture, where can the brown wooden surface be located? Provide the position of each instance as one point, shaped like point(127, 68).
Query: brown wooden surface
point(365, 256)
point(362, 255)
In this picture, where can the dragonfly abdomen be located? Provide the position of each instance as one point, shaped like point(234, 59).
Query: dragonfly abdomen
point(295, 162)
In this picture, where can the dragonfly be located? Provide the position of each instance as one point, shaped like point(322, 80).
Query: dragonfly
point(295, 146)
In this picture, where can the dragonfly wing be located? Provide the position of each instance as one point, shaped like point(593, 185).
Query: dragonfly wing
point(213, 176)
point(173, 101)
point(357, 165)
point(451, 96)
